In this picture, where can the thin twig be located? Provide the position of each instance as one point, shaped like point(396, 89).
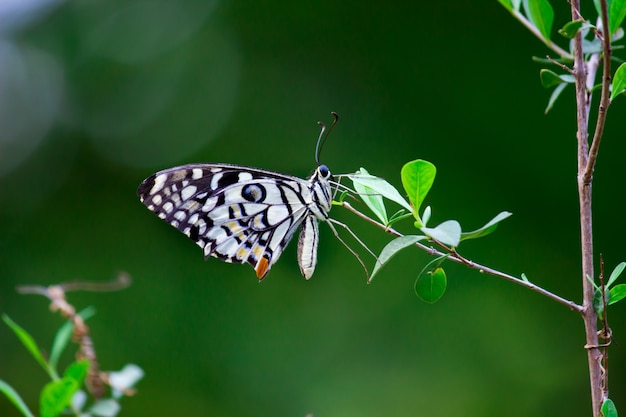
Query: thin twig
point(533, 29)
point(120, 282)
point(605, 100)
point(605, 333)
point(560, 64)
point(56, 294)
point(455, 257)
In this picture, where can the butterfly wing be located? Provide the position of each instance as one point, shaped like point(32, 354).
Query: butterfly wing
point(234, 213)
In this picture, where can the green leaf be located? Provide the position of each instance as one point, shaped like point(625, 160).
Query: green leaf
point(551, 78)
point(77, 371)
point(592, 46)
point(619, 81)
point(511, 5)
point(596, 87)
point(592, 283)
point(608, 407)
point(598, 305)
point(380, 186)
point(343, 196)
point(507, 4)
point(63, 336)
point(617, 271)
point(541, 15)
point(15, 398)
point(617, 13)
point(431, 282)
point(399, 215)
point(570, 29)
point(56, 396)
point(426, 215)
point(488, 228)
point(391, 249)
point(371, 198)
point(555, 94)
point(30, 344)
point(417, 178)
point(448, 233)
point(617, 293)
point(525, 278)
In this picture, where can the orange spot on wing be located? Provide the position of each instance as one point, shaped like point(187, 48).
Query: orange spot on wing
point(262, 268)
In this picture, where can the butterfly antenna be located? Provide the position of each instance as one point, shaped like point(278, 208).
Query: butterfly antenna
point(321, 140)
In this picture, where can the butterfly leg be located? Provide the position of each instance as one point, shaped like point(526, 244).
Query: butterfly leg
point(356, 255)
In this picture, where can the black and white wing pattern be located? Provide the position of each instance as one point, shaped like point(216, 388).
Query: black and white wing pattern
point(241, 214)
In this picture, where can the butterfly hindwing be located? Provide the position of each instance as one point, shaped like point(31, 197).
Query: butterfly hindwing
point(234, 213)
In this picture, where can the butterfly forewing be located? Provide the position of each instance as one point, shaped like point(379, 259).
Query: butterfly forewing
point(240, 214)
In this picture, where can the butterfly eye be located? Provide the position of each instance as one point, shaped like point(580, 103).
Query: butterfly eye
point(324, 171)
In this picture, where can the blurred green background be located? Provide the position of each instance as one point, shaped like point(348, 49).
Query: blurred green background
point(97, 95)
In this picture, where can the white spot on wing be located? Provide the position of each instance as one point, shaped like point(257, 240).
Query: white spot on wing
point(196, 173)
point(201, 226)
point(276, 214)
point(168, 207)
point(216, 233)
point(191, 206)
point(244, 176)
point(159, 182)
point(210, 204)
point(188, 191)
point(228, 248)
point(277, 237)
point(215, 180)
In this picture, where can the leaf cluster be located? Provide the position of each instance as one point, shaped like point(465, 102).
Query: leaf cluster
point(612, 294)
point(417, 177)
point(538, 17)
point(63, 394)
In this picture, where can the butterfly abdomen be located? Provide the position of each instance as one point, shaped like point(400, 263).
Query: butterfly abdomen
point(307, 246)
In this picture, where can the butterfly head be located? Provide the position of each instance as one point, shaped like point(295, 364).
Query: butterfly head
point(323, 172)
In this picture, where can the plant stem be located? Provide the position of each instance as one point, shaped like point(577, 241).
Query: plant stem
point(455, 257)
point(585, 76)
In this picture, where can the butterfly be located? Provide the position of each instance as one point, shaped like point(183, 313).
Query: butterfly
point(241, 214)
